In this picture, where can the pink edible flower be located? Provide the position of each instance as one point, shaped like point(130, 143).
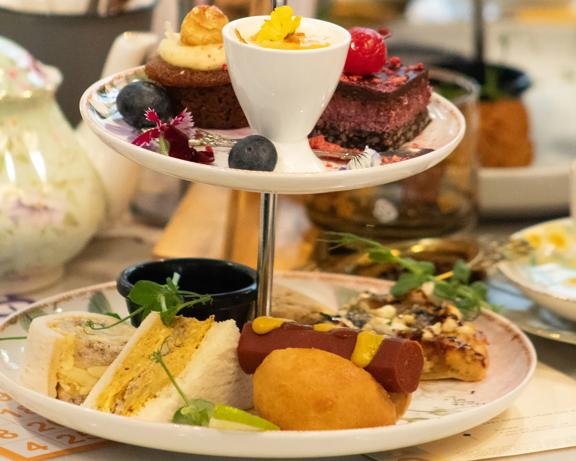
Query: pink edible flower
point(172, 137)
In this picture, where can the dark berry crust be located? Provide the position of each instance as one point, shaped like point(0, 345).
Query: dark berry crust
point(390, 83)
point(379, 140)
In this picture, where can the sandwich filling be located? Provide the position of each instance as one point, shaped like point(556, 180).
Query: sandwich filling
point(138, 379)
point(84, 356)
point(64, 357)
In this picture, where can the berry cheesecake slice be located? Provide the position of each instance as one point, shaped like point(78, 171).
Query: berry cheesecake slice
point(378, 106)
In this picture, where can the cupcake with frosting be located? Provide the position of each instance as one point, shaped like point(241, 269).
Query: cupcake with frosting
point(191, 65)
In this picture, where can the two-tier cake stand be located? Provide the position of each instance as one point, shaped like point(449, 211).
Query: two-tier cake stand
point(442, 135)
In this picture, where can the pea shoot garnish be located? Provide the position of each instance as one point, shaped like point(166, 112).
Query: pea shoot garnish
point(168, 300)
point(195, 412)
point(200, 412)
point(453, 286)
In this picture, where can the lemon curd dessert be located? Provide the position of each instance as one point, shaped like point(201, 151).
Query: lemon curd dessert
point(283, 31)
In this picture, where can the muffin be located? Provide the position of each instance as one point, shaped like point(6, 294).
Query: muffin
point(191, 65)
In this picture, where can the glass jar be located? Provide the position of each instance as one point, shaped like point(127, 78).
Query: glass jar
point(438, 202)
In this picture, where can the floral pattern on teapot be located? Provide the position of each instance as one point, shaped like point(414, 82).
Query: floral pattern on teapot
point(51, 200)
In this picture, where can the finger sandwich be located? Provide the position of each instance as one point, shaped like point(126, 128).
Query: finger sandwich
point(201, 354)
point(64, 358)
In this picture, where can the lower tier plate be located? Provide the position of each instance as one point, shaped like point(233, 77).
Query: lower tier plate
point(439, 408)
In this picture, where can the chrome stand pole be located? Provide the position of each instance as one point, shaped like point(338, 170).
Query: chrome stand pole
point(266, 252)
point(267, 234)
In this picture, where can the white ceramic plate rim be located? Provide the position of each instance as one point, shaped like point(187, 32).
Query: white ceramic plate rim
point(260, 181)
point(513, 276)
point(265, 444)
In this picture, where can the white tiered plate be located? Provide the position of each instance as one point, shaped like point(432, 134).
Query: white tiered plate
point(97, 107)
point(439, 408)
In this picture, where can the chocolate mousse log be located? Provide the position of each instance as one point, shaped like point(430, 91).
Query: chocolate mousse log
point(382, 111)
point(396, 363)
point(191, 65)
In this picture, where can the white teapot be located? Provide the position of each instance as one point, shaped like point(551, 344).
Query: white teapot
point(53, 198)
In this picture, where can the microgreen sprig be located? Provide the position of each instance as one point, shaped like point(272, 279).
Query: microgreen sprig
point(453, 286)
point(167, 299)
point(195, 412)
point(200, 412)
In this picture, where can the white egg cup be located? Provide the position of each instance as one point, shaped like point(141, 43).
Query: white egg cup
point(284, 92)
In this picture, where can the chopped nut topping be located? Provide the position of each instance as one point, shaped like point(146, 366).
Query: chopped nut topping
point(449, 325)
point(388, 311)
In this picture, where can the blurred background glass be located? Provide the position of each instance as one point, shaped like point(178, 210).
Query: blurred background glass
point(437, 202)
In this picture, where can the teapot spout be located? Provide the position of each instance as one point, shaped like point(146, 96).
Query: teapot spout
point(128, 50)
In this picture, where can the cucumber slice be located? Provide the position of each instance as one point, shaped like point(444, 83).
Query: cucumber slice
point(225, 417)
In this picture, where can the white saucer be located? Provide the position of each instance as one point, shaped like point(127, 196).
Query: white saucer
point(542, 188)
point(528, 315)
point(439, 408)
point(97, 107)
point(550, 284)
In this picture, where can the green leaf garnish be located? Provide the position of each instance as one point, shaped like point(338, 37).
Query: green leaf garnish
point(453, 286)
point(200, 412)
point(197, 412)
point(158, 358)
point(407, 282)
point(25, 320)
point(114, 315)
point(98, 303)
point(163, 145)
point(461, 272)
point(168, 300)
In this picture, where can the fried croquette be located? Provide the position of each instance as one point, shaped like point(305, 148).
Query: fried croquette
point(310, 389)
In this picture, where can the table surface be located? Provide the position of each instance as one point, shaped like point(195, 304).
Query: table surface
point(128, 242)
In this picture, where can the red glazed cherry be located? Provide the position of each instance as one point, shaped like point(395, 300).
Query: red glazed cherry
point(367, 53)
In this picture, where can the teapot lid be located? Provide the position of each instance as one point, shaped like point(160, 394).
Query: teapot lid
point(22, 76)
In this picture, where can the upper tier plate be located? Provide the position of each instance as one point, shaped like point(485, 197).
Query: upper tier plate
point(442, 135)
point(439, 408)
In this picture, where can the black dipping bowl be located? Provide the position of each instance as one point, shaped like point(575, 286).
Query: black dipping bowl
point(509, 80)
point(233, 286)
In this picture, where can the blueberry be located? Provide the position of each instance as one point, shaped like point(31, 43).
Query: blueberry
point(136, 97)
point(255, 153)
